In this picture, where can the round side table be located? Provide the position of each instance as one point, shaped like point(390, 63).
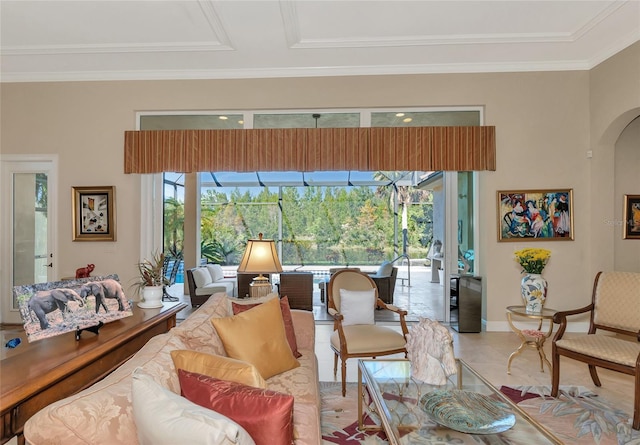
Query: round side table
point(531, 338)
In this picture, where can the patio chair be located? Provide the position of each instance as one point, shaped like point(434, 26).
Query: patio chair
point(170, 275)
point(298, 288)
point(353, 298)
point(614, 309)
point(385, 279)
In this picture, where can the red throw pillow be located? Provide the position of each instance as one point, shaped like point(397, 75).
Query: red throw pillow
point(286, 317)
point(266, 415)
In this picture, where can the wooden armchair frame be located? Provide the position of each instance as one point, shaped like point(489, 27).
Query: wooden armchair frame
point(355, 280)
point(615, 308)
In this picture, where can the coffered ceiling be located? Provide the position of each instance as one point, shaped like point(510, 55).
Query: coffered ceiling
point(55, 40)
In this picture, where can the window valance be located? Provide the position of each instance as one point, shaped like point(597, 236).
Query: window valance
point(311, 149)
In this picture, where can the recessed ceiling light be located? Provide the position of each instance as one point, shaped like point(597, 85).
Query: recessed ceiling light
point(407, 119)
point(399, 114)
point(224, 118)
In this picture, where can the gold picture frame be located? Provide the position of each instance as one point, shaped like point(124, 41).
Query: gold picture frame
point(535, 215)
point(631, 228)
point(94, 213)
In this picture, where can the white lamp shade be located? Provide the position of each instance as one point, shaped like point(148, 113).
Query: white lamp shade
point(260, 256)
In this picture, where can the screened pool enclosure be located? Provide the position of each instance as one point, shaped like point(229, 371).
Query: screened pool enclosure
point(319, 218)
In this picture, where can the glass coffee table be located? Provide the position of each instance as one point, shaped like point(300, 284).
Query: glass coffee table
point(390, 397)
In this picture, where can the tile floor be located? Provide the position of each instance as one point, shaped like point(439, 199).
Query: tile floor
point(487, 352)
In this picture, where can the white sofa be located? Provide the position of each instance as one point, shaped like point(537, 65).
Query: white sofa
point(205, 281)
point(103, 413)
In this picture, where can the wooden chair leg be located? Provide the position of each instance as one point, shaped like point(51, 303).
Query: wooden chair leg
point(636, 402)
point(594, 375)
point(555, 374)
point(344, 377)
point(335, 365)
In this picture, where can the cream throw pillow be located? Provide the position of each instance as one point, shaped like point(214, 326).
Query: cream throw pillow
point(165, 418)
point(357, 306)
point(384, 270)
point(257, 336)
point(216, 272)
point(201, 276)
point(223, 368)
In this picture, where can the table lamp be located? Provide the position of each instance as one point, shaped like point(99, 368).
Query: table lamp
point(260, 257)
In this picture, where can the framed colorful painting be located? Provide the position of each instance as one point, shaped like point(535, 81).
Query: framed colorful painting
point(94, 213)
point(631, 217)
point(535, 215)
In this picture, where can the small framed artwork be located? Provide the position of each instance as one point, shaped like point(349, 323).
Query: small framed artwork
point(94, 213)
point(631, 217)
point(535, 215)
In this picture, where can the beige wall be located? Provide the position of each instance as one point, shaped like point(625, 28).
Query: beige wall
point(627, 162)
point(543, 126)
point(614, 103)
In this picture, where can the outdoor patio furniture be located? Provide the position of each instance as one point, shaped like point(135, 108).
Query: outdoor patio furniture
point(385, 279)
point(298, 288)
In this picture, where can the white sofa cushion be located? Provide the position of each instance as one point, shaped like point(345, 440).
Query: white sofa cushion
point(163, 417)
point(201, 276)
point(215, 270)
point(214, 288)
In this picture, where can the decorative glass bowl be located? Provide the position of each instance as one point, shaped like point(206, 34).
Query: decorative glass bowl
point(467, 412)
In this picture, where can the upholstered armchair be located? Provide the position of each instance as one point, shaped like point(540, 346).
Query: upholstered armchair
point(353, 298)
point(614, 309)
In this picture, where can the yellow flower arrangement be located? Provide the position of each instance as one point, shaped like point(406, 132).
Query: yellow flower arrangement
point(532, 260)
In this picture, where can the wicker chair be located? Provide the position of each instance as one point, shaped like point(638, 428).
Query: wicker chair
point(386, 285)
point(615, 307)
point(298, 288)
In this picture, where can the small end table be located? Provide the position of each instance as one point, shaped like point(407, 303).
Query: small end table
point(531, 338)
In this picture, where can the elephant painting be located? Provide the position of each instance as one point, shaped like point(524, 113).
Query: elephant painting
point(95, 289)
point(39, 302)
point(108, 288)
point(44, 302)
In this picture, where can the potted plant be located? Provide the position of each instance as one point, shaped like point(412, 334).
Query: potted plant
point(151, 281)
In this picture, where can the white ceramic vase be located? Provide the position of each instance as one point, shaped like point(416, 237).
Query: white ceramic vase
point(151, 297)
point(534, 292)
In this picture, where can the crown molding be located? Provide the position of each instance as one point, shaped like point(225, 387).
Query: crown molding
point(76, 76)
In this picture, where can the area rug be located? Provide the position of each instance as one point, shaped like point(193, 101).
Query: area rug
point(576, 417)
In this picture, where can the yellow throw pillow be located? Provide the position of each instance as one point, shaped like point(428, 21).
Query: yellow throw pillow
point(257, 336)
point(223, 368)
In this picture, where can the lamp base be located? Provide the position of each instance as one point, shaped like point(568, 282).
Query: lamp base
point(259, 289)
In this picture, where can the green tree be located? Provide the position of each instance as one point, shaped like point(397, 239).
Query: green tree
point(173, 227)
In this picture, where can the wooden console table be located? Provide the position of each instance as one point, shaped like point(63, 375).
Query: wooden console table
point(34, 375)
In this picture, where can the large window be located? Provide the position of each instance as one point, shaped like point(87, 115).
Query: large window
point(338, 223)
point(317, 217)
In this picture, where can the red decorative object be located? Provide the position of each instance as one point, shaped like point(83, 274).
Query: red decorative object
point(85, 272)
